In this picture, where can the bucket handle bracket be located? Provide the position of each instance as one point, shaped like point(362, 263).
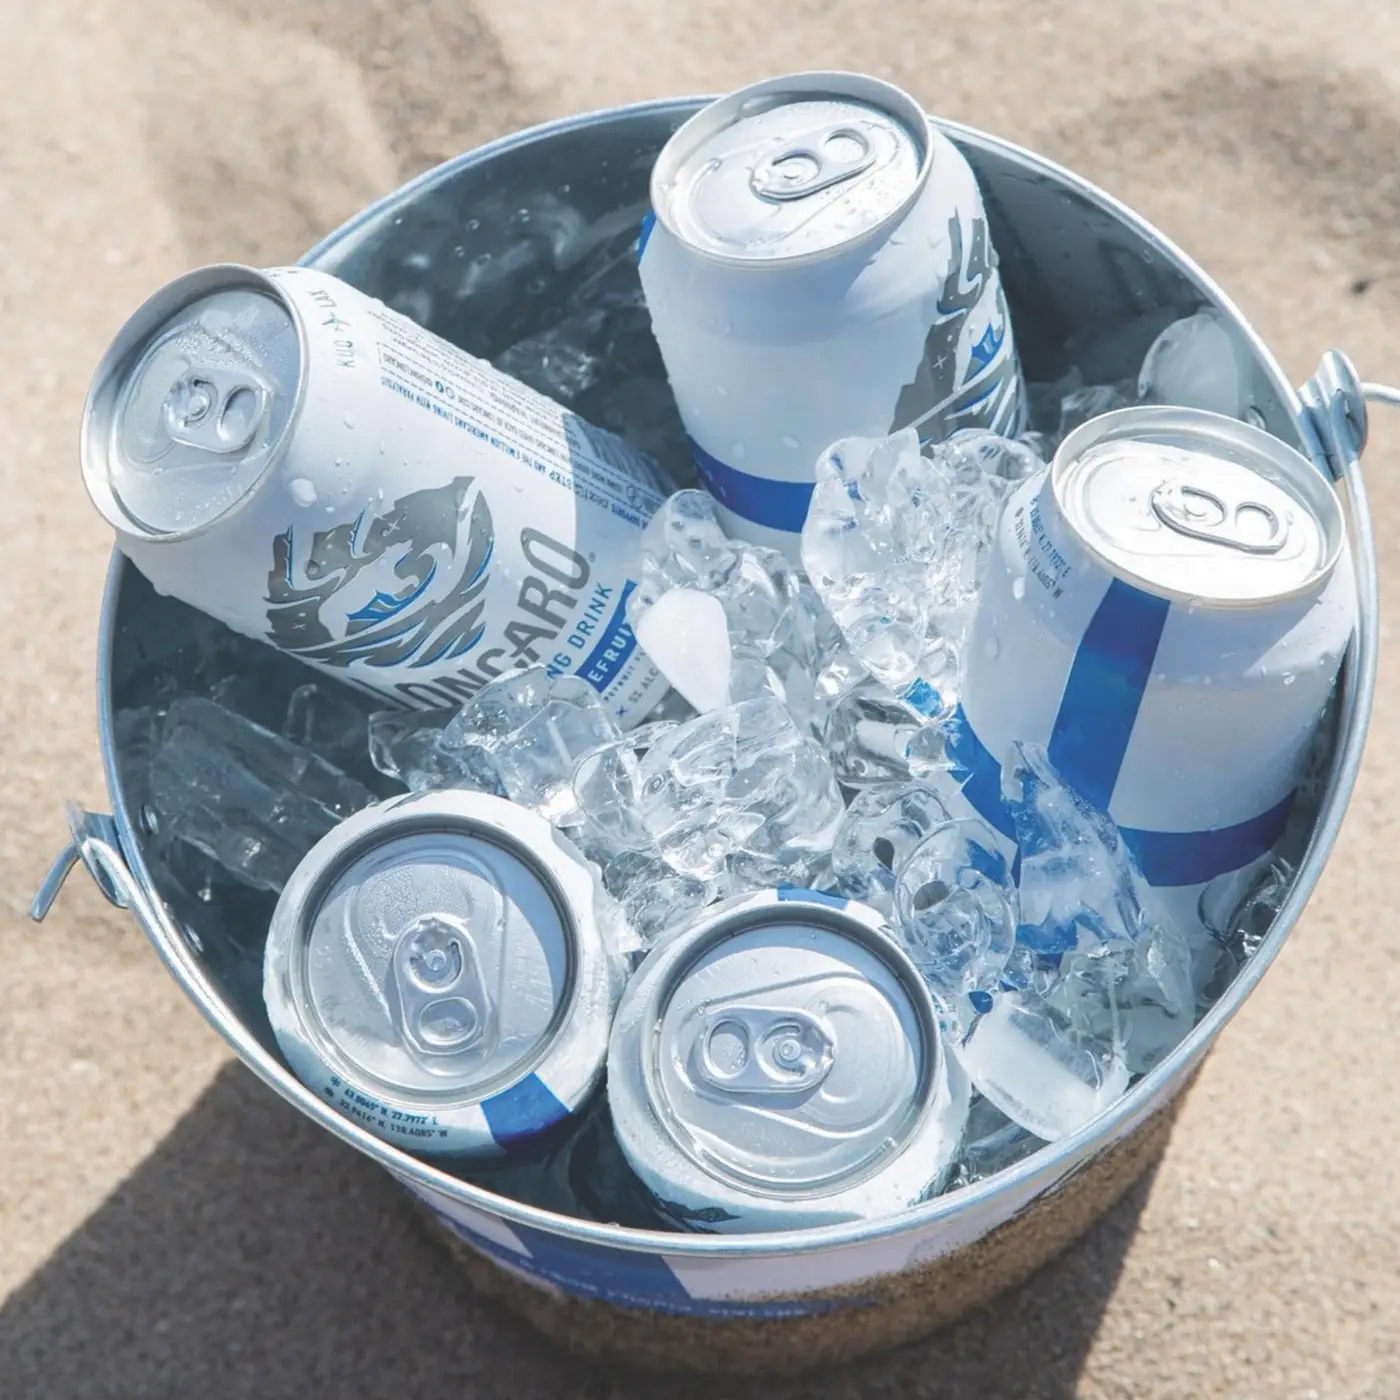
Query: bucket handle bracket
point(93, 840)
point(1335, 416)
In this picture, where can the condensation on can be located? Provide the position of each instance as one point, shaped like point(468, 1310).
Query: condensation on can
point(319, 473)
point(1146, 619)
point(779, 1065)
point(435, 969)
point(784, 330)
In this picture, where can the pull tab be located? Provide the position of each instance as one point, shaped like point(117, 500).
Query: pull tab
point(1202, 515)
point(443, 1000)
point(215, 410)
point(754, 1050)
point(812, 163)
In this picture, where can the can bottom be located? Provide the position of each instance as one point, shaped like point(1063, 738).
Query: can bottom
point(873, 1316)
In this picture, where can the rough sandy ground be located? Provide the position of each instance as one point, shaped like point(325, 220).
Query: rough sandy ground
point(169, 1228)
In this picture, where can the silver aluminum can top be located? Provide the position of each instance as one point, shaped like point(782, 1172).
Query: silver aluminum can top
point(192, 402)
point(432, 947)
point(1197, 506)
point(793, 168)
point(792, 1048)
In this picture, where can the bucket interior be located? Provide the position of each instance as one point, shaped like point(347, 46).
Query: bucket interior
point(494, 248)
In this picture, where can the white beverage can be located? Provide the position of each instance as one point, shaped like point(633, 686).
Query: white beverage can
point(320, 473)
point(436, 970)
point(819, 266)
point(779, 1065)
point(1165, 611)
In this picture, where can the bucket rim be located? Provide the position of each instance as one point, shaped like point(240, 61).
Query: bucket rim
point(1051, 1163)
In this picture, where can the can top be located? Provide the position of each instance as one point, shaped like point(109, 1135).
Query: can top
point(1194, 505)
point(433, 946)
point(792, 168)
point(191, 403)
point(792, 1048)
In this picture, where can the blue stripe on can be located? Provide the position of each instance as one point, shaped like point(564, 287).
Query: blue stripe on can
point(644, 233)
point(980, 774)
point(806, 896)
point(1164, 857)
point(1103, 692)
point(1193, 857)
point(615, 645)
point(523, 1111)
point(779, 505)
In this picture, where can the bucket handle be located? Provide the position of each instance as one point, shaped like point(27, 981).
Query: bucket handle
point(93, 839)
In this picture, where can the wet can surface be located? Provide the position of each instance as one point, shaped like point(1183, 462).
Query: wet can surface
point(316, 471)
point(1165, 612)
point(435, 970)
point(819, 266)
point(779, 1065)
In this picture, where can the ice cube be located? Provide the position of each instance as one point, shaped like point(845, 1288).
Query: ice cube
point(535, 728)
point(246, 797)
point(1077, 877)
point(1195, 363)
point(326, 723)
point(955, 911)
point(1094, 400)
point(739, 795)
point(682, 546)
point(1239, 907)
point(760, 629)
point(558, 361)
point(1039, 1068)
point(1138, 996)
point(867, 736)
point(881, 827)
point(655, 898)
point(607, 784)
point(686, 635)
point(991, 1143)
point(412, 747)
point(894, 543)
point(974, 453)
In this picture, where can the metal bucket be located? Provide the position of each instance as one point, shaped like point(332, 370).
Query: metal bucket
point(1072, 259)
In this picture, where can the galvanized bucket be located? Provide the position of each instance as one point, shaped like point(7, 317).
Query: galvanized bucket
point(1072, 258)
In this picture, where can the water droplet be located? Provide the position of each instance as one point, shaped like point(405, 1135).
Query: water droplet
point(565, 188)
point(993, 648)
point(789, 441)
point(303, 491)
point(1289, 677)
point(473, 225)
point(738, 452)
point(1018, 588)
point(721, 391)
point(349, 420)
point(459, 251)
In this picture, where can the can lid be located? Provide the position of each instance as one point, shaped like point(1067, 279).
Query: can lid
point(792, 168)
point(191, 403)
point(434, 952)
point(791, 1049)
point(1195, 505)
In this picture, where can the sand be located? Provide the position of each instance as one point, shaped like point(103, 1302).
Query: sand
point(170, 1228)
